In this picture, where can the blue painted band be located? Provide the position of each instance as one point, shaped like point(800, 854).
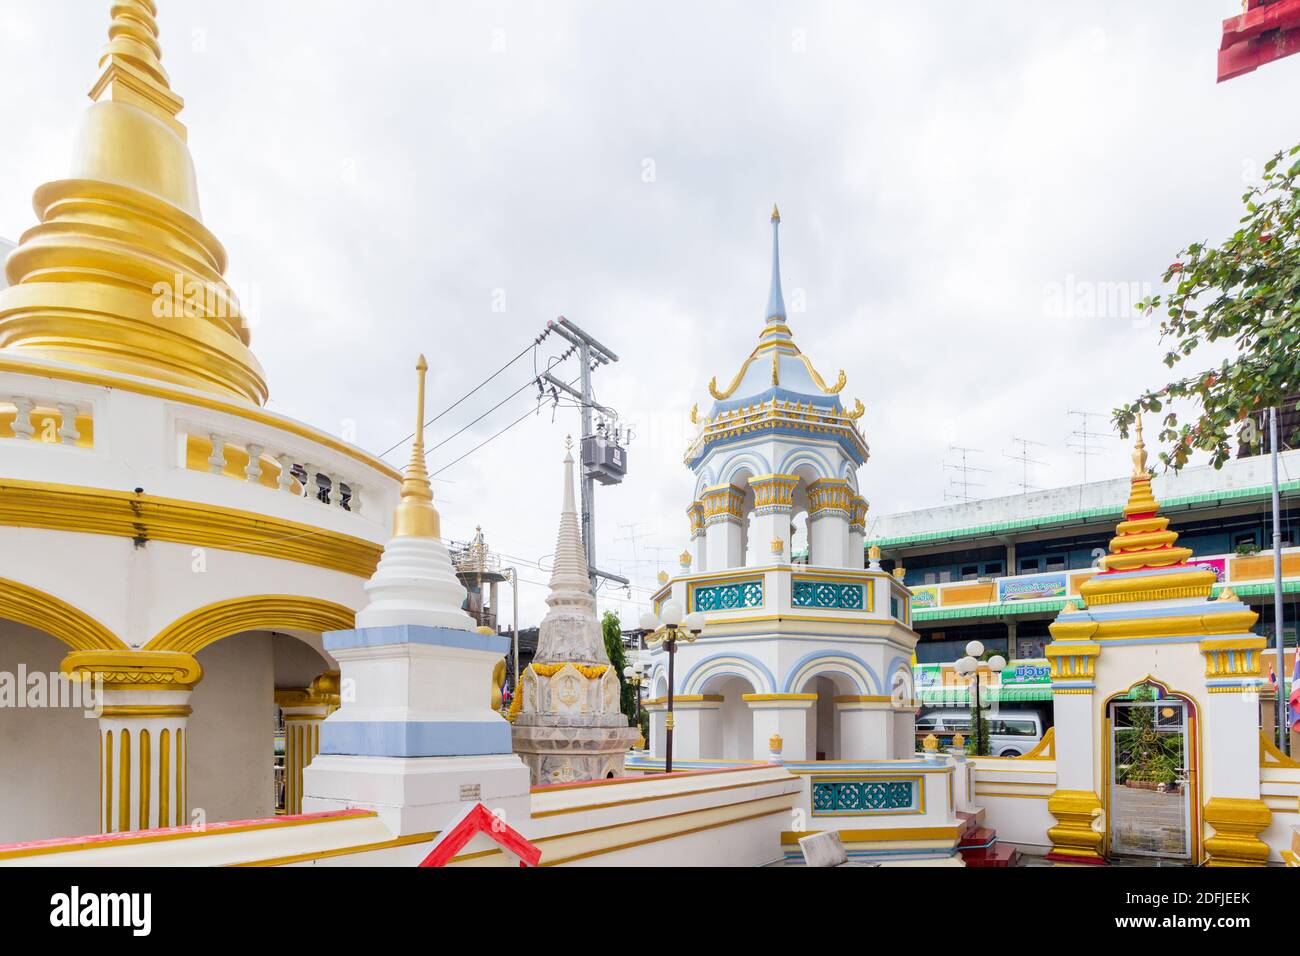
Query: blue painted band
point(440, 738)
point(415, 634)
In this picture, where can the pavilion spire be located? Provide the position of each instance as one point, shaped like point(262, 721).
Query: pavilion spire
point(775, 301)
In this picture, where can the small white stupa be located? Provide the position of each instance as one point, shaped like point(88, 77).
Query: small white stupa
point(416, 737)
point(569, 726)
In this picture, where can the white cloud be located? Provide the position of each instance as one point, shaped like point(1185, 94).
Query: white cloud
point(378, 173)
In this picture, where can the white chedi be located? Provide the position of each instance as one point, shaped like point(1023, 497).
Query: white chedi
point(415, 584)
point(570, 726)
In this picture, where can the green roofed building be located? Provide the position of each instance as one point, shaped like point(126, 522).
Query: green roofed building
point(1000, 569)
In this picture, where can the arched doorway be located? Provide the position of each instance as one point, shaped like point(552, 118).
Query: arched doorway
point(49, 784)
point(824, 740)
point(1151, 774)
point(235, 733)
point(735, 718)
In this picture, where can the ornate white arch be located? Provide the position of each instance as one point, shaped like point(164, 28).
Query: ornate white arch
point(832, 662)
point(730, 665)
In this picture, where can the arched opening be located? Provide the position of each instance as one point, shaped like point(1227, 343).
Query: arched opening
point(735, 719)
point(824, 725)
point(235, 731)
point(50, 783)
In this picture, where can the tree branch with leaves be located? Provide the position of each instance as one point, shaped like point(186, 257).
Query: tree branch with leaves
point(1243, 291)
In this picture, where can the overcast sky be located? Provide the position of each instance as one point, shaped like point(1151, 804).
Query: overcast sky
point(972, 194)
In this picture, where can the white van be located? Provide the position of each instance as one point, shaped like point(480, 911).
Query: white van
point(1011, 732)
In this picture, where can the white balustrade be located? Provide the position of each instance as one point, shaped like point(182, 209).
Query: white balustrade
point(340, 492)
point(45, 430)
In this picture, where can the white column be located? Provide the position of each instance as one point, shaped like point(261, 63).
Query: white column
point(697, 727)
point(773, 503)
point(698, 550)
point(786, 715)
point(828, 521)
point(866, 727)
point(723, 528)
point(853, 553)
point(658, 711)
point(143, 720)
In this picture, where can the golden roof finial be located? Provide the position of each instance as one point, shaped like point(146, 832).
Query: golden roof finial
point(776, 213)
point(416, 517)
point(131, 65)
point(1139, 453)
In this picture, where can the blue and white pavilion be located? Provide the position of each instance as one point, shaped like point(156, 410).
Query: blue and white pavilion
point(817, 652)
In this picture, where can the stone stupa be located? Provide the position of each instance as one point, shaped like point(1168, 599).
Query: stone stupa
point(568, 726)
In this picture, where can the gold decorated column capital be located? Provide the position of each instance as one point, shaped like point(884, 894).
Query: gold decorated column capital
point(722, 503)
point(830, 496)
point(135, 670)
point(773, 493)
point(696, 514)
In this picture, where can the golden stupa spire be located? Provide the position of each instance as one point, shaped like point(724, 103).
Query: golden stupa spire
point(416, 517)
point(120, 274)
point(1143, 542)
point(132, 70)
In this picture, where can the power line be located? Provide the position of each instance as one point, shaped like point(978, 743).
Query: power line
point(531, 347)
point(531, 411)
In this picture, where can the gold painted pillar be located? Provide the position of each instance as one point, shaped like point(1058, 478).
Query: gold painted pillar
point(304, 709)
point(143, 701)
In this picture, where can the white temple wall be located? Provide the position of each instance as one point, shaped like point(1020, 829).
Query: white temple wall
point(135, 592)
point(231, 731)
point(49, 757)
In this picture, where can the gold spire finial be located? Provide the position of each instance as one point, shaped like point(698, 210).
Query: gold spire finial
point(776, 213)
point(131, 65)
point(416, 517)
point(1139, 453)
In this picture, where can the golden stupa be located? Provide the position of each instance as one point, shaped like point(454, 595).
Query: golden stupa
point(121, 275)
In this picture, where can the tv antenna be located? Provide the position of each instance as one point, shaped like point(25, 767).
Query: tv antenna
point(1087, 439)
point(1025, 461)
point(964, 471)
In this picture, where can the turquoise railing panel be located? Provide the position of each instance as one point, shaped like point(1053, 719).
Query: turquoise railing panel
point(831, 797)
point(728, 597)
point(827, 594)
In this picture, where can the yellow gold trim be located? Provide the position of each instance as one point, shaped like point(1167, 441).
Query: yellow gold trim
point(45, 612)
point(145, 669)
point(1237, 824)
point(883, 835)
point(1270, 756)
point(146, 710)
point(763, 697)
point(145, 517)
point(164, 781)
point(203, 626)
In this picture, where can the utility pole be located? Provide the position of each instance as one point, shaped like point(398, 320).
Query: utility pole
point(591, 354)
point(1025, 461)
point(1279, 639)
point(1082, 447)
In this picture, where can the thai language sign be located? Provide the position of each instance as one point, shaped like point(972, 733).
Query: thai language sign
point(1036, 588)
point(924, 597)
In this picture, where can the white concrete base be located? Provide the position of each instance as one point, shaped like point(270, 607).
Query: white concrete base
point(417, 794)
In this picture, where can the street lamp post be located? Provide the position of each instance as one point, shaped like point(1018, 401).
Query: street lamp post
point(666, 629)
point(634, 674)
point(968, 665)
